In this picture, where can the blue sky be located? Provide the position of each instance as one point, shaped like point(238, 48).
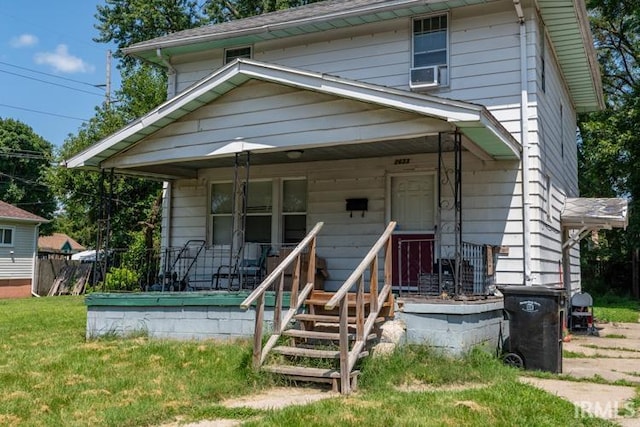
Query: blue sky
point(52, 41)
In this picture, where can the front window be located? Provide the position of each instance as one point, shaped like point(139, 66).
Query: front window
point(6, 236)
point(430, 51)
point(261, 218)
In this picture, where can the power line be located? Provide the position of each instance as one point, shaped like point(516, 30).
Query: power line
point(51, 83)
point(44, 112)
point(49, 74)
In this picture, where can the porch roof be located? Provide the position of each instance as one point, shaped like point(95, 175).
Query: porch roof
point(489, 137)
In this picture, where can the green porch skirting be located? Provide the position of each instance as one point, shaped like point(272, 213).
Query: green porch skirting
point(188, 315)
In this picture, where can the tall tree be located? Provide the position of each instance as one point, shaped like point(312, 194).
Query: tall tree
point(609, 150)
point(24, 158)
point(227, 10)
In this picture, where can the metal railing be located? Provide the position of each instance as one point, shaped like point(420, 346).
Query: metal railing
point(420, 272)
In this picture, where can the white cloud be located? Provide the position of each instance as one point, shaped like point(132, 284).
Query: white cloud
point(62, 61)
point(24, 40)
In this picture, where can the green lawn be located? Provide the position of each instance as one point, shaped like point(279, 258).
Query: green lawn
point(51, 376)
point(612, 308)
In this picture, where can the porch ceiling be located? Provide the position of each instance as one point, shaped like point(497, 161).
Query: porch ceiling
point(486, 137)
point(404, 147)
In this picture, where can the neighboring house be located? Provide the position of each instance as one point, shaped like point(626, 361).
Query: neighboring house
point(455, 119)
point(58, 245)
point(18, 250)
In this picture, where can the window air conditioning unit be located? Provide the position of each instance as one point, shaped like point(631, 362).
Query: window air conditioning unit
point(424, 77)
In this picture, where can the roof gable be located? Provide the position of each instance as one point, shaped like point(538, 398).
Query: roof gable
point(473, 120)
point(8, 211)
point(59, 242)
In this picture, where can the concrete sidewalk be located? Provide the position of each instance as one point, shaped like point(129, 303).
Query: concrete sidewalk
point(613, 355)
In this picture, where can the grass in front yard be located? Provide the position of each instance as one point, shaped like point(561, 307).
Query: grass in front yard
point(419, 387)
point(51, 376)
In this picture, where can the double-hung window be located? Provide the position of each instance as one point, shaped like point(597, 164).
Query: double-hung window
point(6, 236)
point(259, 212)
point(430, 51)
point(287, 218)
point(294, 210)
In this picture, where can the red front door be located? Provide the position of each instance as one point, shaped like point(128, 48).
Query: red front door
point(412, 260)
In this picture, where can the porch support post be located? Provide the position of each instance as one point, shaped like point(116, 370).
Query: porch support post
point(458, 211)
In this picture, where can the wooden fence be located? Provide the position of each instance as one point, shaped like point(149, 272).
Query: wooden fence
point(61, 276)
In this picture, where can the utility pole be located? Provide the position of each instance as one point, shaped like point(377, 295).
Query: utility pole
point(108, 87)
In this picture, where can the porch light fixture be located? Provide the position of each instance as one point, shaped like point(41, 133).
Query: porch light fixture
point(294, 154)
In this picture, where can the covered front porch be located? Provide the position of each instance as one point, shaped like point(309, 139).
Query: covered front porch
point(255, 154)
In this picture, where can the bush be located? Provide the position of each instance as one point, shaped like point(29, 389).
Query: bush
point(120, 279)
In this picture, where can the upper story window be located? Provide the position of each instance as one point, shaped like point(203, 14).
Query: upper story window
point(240, 52)
point(430, 52)
point(6, 236)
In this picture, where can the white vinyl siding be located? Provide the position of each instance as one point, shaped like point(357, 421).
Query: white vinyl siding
point(491, 210)
point(277, 116)
point(484, 55)
point(17, 260)
point(554, 167)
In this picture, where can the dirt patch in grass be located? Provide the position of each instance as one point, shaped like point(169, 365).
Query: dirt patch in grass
point(280, 397)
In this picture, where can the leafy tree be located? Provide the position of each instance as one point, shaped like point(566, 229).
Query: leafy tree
point(86, 195)
point(126, 22)
point(228, 10)
point(609, 150)
point(24, 158)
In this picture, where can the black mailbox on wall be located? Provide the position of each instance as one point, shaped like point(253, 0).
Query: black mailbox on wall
point(357, 205)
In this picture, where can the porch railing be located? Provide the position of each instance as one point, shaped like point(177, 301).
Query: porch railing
point(420, 272)
point(297, 295)
point(376, 300)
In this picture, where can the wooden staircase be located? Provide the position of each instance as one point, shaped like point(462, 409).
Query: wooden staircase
point(323, 335)
point(314, 340)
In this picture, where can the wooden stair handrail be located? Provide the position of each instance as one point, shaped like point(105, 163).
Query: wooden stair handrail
point(360, 270)
point(377, 298)
point(297, 297)
point(268, 281)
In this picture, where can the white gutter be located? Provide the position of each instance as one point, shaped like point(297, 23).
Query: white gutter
point(524, 140)
point(172, 74)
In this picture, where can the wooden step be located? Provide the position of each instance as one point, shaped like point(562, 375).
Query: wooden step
point(324, 318)
point(298, 373)
point(311, 352)
point(305, 372)
point(333, 336)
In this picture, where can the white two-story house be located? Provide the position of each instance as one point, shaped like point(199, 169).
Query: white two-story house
point(457, 119)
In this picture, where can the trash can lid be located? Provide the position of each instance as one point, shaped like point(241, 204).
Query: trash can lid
point(531, 290)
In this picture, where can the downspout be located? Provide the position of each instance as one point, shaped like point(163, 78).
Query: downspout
point(171, 74)
point(34, 272)
point(524, 140)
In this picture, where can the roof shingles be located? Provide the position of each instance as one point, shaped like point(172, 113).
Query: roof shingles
point(8, 211)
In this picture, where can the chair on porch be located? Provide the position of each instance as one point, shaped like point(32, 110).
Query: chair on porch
point(249, 272)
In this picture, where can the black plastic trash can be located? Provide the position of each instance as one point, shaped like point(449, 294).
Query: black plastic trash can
point(536, 317)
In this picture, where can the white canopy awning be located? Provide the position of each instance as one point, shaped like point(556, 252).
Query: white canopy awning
point(595, 213)
point(591, 214)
